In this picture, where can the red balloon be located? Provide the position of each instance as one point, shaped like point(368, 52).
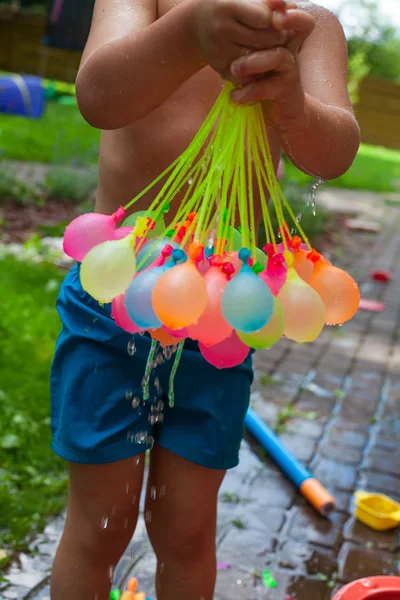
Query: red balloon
point(228, 353)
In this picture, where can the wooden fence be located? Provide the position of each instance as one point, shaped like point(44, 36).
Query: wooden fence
point(21, 51)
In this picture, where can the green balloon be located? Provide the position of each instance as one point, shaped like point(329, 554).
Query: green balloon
point(158, 229)
point(115, 595)
point(237, 239)
point(261, 257)
point(269, 334)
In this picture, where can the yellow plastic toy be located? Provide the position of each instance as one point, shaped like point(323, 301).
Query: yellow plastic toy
point(376, 510)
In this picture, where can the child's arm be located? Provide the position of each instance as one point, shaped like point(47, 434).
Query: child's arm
point(306, 92)
point(134, 61)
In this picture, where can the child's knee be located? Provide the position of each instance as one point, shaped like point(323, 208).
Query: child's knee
point(185, 543)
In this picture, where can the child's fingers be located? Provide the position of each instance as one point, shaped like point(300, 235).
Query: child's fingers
point(257, 39)
point(262, 62)
point(254, 14)
point(298, 21)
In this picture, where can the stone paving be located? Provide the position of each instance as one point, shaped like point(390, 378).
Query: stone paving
point(336, 404)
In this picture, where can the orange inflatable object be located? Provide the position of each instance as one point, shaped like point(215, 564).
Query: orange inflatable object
point(162, 336)
point(338, 291)
point(132, 584)
point(180, 295)
point(371, 588)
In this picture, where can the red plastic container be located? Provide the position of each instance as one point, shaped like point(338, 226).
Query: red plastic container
point(371, 588)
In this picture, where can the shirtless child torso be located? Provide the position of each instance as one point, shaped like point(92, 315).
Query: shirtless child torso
point(136, 148)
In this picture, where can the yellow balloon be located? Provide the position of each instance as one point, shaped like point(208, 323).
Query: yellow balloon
point(303, 309)
point(269, 334)
point(108, 269)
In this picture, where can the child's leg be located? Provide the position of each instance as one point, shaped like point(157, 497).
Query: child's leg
point(102, 514)
point(181, 515)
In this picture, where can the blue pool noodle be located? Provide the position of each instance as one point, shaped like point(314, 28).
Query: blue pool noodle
point(289, 464)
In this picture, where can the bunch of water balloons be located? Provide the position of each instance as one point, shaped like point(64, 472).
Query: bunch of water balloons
point(201, 276)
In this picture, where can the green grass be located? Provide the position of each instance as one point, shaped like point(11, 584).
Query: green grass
point(33, 480)
point(375, 169)
point(60, 136)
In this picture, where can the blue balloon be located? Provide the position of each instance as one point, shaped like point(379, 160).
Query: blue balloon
point(155, 248)
point(247, 303)
point(138, 298)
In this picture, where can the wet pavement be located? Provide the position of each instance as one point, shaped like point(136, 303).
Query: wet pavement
point(336, 406)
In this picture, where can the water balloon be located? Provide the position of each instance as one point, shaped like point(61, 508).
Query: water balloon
point(108, 269)
point(269, 334)
point(88, 230)
point(228, 353)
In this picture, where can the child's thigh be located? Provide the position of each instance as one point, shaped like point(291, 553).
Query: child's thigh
point(181, 505)
point(104, 499)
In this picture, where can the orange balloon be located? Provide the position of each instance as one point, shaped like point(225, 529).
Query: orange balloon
point(180, 296)
point(338, 291)
point(162, 336)
point(132, 584)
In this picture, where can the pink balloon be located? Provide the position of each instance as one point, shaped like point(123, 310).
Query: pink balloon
point(122, 232)
point(228, 353)
point(233, 257)
point(88, 230)
point(275, 273)
point(212, 326)
point(121, 316)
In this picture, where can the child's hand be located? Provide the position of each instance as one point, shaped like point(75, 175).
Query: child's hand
point(228, 29)
point(273, 74)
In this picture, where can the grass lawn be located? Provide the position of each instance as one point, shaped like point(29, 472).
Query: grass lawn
point(61, 136)
point(33, 481)
point(375, 169)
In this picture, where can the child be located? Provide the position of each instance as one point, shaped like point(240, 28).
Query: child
point(150, 73)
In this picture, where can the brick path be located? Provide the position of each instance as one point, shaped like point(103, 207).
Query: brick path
point(350, 377)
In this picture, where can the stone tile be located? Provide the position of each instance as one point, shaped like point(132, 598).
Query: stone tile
point(306, 558)
point(306, 525)
point(346, 436)
point(380, 460)
point(302, 447)
point(303, 427)
point(360, 534)
point(386, 484)
point(348, 456)
point(306, 588)
point(356, 562)
point(338, 476)
point(238, 543)
point(272, 490)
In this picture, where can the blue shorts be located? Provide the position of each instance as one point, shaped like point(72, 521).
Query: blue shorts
point(94, 381)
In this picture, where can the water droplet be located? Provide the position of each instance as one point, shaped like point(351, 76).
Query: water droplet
point(127, 486)
point(86, 330)
point(150, 441)
point(128, 395)
point(141, 437)
point(134, 500)
point(160, 359)
point(131, 347)
point(190, 180)
point(299, 216)
point(95, 320)
point(111, 572)
point(153, 492)
point(148, 516)
point(163, 490)
point(104, 522)
point(162, 566)
point(114, 510)
point(136, 462)
point(136, 402)
point(239, 582)
point(153, 419)
point(366, 583)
